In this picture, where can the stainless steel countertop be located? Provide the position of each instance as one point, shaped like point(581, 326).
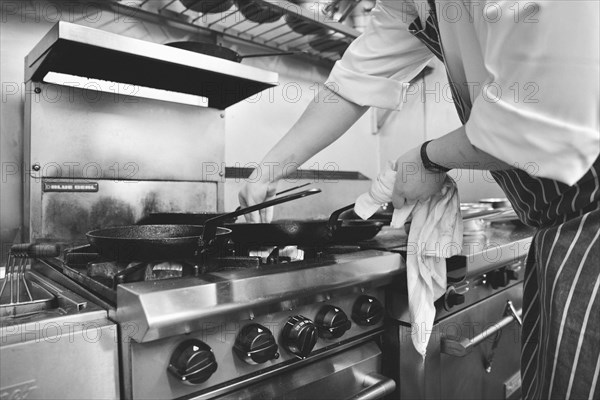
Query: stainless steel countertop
point(498, 244)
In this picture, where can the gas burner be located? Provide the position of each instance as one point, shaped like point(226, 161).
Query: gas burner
point(276, 255)
point(111, 273)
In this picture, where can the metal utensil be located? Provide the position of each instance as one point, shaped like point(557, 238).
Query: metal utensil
point(18, 259)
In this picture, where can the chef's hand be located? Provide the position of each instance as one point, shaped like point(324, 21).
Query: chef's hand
point(413, 181)
point(254, 193)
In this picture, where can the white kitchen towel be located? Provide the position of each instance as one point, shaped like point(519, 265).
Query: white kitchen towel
point(435, 234)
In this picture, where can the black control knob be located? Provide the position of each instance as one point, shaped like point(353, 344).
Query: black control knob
point(192, 362)
point(332, 322)
point(453, 298)
point(255, 344)
point(367, 311)
point(299, 335)
point(501, 278)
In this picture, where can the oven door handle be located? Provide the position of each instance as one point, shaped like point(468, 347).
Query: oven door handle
point(377, 386)
point(460, 348)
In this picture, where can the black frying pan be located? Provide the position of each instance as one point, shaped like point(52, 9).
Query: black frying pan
point(157, 242)
point(150, 242)
point(208, 6)
point(305, 233)
point(259, 12)
point(215, 50)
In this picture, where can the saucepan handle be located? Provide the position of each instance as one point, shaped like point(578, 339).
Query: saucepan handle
point(332, 224)
point(210, 226)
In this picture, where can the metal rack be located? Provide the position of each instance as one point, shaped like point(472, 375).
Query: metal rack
point(276, 36)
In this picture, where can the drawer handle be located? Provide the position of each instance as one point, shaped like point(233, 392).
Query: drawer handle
point(460, 348)
point(377, 386)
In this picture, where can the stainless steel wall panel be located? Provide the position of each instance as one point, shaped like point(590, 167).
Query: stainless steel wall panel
point(89, 134)
point(68, 216)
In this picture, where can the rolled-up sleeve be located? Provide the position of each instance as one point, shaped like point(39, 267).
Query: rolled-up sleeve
point(378, 66)
point(541, 106)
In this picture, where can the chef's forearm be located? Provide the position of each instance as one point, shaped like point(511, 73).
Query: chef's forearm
point(454, 150)
point(322, 123)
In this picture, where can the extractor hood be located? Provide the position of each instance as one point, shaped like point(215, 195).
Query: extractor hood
point(85, 52)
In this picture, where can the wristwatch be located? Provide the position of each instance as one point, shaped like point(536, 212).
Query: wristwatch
point(428, 164)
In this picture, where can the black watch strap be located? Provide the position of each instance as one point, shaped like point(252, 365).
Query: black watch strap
point(427, 163)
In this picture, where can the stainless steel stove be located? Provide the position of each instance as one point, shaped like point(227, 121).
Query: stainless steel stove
point(245, 328)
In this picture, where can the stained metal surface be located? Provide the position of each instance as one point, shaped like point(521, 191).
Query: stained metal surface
point(144, 155)
point(165, 308)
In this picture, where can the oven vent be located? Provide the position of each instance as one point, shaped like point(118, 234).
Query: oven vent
point(85, 52)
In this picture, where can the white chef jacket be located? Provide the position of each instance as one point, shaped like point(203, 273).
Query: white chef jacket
point(529, 70)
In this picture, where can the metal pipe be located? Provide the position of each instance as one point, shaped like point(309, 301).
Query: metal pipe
point(10, 277)
point(18, 275)
point(25, 284)
point(167, 5)
point(5, 274)
point(216, 21)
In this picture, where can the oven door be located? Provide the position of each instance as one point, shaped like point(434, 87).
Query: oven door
point(472, 354)
point(350, 374)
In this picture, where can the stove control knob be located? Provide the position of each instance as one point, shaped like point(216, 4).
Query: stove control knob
point(453, 298)
point(255, 344)
point(332, 322)
point(367, 311)
point(299, 335)
point(192, 362)
point(501, 278)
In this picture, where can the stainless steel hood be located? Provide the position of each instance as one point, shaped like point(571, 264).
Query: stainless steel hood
point(90, 53)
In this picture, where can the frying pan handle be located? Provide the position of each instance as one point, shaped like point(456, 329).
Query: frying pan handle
point(210, 226)
point(35, 250)
point(332, 224)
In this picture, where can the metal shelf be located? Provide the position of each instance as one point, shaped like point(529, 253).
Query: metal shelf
point(276, 36)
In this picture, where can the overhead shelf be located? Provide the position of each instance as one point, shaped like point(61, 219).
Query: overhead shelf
point(90, 53)
point(276, 35)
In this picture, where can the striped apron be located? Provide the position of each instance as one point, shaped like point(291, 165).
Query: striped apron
point(560, 352)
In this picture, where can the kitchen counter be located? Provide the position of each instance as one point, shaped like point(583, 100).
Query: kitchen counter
point(498, 244)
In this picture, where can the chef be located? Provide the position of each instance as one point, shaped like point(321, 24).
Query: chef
point(542, 149)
